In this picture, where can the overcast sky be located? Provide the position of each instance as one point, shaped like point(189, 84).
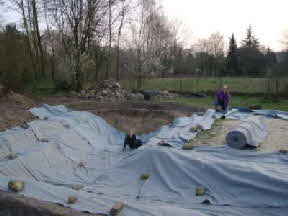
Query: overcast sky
point(269, 18)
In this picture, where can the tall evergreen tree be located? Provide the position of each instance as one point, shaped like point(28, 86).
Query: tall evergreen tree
point(251, 59)
point(250, 41)
point(232, 57)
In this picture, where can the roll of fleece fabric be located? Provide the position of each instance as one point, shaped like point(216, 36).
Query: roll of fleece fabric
point(251, 132)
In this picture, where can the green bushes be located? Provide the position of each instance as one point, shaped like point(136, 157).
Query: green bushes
point(15, 65)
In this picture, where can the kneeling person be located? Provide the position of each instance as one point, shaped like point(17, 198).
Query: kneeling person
point(222, 99)
point(132, 141)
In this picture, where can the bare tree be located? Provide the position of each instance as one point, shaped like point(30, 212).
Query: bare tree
point(29, 13)
point(87, 28)
point(80, 19)
point(108, 63)
point(122, 15)
point(152, 40)
point(211, 53)
point(201, 47)
point(38, 36)
point(80, 37)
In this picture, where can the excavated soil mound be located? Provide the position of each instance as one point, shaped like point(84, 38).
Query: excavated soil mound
point(20, 99)
point(14, 110)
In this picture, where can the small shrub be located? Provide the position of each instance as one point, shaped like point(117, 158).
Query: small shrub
point(200, 191)
point(62, 85)
point(144, 177)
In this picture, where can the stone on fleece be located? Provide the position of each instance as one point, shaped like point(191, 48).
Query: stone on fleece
point(188, 146)
point(200, 191)
point(72, 200)
point(116, 209)
point(16, 186)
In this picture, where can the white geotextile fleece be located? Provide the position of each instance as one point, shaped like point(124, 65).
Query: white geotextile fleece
point(239, 183)
point(252, 131)
point(179, 132)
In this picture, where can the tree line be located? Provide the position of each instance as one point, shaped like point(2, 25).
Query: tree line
point(208, 58)
point(74, 42)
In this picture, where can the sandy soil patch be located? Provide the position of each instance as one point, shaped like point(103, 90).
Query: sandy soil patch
point(276, 140)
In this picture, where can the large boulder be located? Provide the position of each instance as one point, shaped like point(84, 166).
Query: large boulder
point(137, 96)
point(99, 98)
point(104, 93)
point(83, 92)
point(116, 85)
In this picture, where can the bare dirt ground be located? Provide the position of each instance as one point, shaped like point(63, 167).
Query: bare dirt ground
point(276, 140)
point(17, 205)
point(142, 116)
point(14, 110)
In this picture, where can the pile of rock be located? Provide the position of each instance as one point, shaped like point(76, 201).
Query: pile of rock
point(166, 94)
point(110, 91)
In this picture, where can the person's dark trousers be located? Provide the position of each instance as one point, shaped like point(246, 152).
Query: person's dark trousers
point(224, 108)
point(136, 144)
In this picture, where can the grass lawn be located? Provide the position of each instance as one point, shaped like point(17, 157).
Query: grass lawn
point(249, 86)
point(244, 85)
point(237, 101)
point(197, 84)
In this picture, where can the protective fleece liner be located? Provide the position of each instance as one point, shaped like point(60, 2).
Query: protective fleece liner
point(67, 149)
point(251, 132)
